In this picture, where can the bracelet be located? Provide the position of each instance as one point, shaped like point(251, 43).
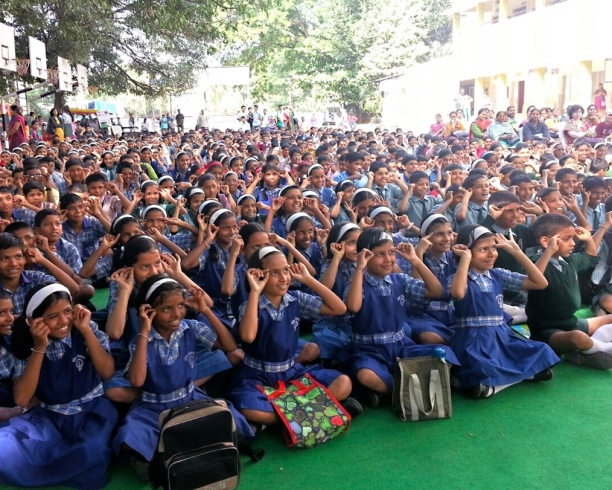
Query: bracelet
point(143, 335)
point(37, 351)
point(360, 269)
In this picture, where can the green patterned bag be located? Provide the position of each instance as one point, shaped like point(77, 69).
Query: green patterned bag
point(310, 413)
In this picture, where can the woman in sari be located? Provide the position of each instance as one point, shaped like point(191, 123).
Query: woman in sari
point(479, 127)
point(592, 117)
point(437, 129)
point(600, 99)
point(502, 132)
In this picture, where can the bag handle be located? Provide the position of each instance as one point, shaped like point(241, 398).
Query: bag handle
point(435, 395)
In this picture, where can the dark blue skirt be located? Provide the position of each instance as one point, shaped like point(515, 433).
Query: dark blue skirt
point(332, 336)
point(496, 356)
point(438, 322)
point(44, 448)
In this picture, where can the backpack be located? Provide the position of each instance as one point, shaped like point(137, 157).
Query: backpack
point(198, 448)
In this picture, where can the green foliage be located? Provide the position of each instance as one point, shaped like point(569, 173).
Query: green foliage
point(334, 50)
point(126, 44)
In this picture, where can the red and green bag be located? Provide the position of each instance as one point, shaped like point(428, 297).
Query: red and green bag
point(310, 413)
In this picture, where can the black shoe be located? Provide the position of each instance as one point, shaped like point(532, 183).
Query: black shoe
point(545, 375)
point(141, 468)
point(480, 391)
point(353, 407)
point(372, 398)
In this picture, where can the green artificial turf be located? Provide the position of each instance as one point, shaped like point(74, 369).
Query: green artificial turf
point(554, 435)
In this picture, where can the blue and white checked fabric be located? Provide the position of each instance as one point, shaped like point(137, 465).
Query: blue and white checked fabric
point(75, 406)
point(88, 240)
point(167, 397)
point(310, 306)
point(378, 338)
point(28, 280)
point(7, 364)
point(268, 367)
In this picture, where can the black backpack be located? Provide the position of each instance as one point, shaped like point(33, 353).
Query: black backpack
point(198, 448)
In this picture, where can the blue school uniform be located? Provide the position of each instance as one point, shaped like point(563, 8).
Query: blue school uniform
point(209, 278)
point(379, 339)
point(436, 315)
point(404, 265)
point(327, 195)
point(171, 372)
point(270, 357)
point(489, 351)
point(475, 214)
point(7, 366)
point(67, 253)
point(279, 225)
point(265, 195)
point(65, 440)
point(333, 333)
point(88, 240)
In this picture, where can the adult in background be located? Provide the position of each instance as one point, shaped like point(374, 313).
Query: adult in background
point(256, 117)
point(202, 121)
point(54, 126)
point(180, 121)
point(604, 128)
point(535, 129)
point(16, 131)
point(600, 99)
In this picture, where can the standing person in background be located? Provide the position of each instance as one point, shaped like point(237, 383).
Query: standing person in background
point(16, 131)
point(256, 117)
point(600, 99)
point(54, 126)
point(163, 124)
point(463, 103)
point(202, 120)
point(180, 121)
point(67, 122)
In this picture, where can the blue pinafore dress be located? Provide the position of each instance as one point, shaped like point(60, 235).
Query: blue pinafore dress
point(437, 315)
point(44, 447)
point(333, 333)
point(378, 332)
point(270, 357)
point(489, 351)
point(166, 386)
point(6, 373)
point(209, 278)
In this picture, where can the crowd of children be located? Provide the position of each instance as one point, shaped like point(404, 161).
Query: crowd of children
point(220, 250)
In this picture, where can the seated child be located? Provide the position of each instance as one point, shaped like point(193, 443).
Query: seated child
point(7, 361)
point(473, 209)
point(585, 342)
point(163, 363)
point(63, 358)
point(492, 356)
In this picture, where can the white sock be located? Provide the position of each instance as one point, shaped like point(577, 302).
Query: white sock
point(494, 390)
point(603, 333)
point(599, 346)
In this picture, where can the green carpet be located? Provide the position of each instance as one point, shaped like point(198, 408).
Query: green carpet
point(555, 435)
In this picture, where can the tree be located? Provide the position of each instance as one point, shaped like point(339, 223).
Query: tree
point(126, 44)
point(334, 50)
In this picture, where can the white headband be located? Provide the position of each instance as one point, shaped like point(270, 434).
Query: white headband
point(345, 229)
point(230, 173)
point(206, 203)
point(550, 163)
point(196, 190)
point(243, 197)
point(43, 294)
point(120, 219)
point(154, 207)
point(295, 216)
point(427, 223)
point(380, 210)
point(146, 182)
point(314, 167)
point(311, 194)
point(217, 213)
point(165, 177)
point(157, 284)
point(384, 236)
point(476, 162)
point(263, 252)
point(476, 234)
point(363, 189)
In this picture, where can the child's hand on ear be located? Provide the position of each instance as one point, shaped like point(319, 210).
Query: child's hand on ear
point(124, 279)
point(34, 255)
point(363, 258)
point(462, 252)
point(237, 245)
point(337, 250)
point(277, 204)
point(299, 272)
point(146, 314)
point(81, 318)
point(423, 246)
point(40, 333)
point(542, 205)
point(291, 238)
point(197, 300)
point(582, 234)
point(366, 222)
point(109, 241)
point(322, 237)
point(171, 264)
point(554, 244)
point(403, 221)
point(257, 279)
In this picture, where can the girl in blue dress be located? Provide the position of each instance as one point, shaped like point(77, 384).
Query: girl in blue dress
point(302, 229)
point(7, 360)
point(316, 181)
point(432, 322)
point(249, 212)
point(63, 358)
point(267, 184)
point(211, 256)
point(492, 356)
point(163, 362)
point(269, 329)
point(333, 333)
point(377, 299)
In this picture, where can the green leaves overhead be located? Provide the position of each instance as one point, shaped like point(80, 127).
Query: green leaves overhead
point(126, 43)
point(334, 50)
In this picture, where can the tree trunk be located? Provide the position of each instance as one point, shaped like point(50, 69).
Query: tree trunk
point(60, 100)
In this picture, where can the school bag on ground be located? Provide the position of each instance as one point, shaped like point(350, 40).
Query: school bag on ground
point(421, 389)
point(198, 448)
point(309, 412)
